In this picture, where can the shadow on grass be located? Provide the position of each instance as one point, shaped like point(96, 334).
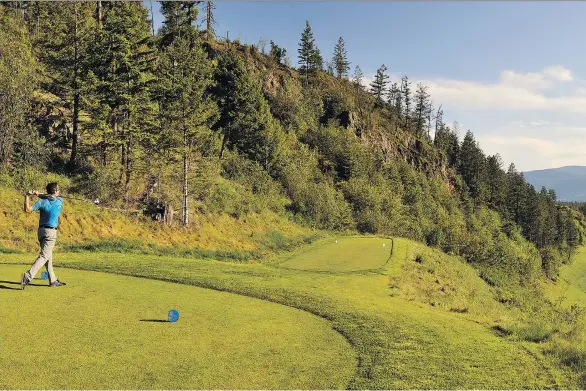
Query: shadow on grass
point(18, 283)
point(155, 320)
point(7, 287)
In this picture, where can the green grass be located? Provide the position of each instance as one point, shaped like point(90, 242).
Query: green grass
point(345, 254)
point(400, 342)
point(89, 335)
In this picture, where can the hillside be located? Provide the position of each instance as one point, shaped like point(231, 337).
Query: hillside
point(568, 182)
point(225, 133)
point(87, 227)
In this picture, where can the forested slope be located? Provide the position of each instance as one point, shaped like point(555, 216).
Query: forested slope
point(91, 95)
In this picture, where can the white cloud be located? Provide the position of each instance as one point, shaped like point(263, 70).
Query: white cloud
point(514, 91)
point(537, 144)
point(559, 73)
point(529, 81)
point(538, 123)
point(523, 116)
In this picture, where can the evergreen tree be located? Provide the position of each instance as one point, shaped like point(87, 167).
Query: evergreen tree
point(187, 109)
point(63, 35)
point(406, 98)
point(121, 68)
point(210, 21)
point(472, 167)
point(516, 195)
point(439, 123)
point(357, 77)
point(316, 61)
point(18, 80)
point(178, 19)
point(497, 185)
point(397, 105)
point(245, 120)
point(307, 49)
point(422, 109)
point(278, 53)
point(340, 60)
point(330, 68)
point(379, 85)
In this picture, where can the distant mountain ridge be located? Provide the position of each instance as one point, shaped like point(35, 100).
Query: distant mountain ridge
point(569, 182)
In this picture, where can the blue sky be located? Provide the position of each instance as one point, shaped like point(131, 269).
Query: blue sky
point(512, 72)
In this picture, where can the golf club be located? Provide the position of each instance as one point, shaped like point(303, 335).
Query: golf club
point(45, 196)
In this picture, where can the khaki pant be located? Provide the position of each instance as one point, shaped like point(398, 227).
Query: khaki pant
point(47, 238)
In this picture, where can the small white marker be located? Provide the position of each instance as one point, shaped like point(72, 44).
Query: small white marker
point(336, 241)
point(384, 244)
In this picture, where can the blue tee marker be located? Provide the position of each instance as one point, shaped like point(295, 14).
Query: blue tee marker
point(44, 276)
point(173, 316)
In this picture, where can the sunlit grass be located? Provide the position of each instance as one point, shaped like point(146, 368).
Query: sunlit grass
point(400, 342)
point(344, 254)
point(103, 331)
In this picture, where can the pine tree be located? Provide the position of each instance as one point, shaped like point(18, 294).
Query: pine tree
point(63, 36)
point(340, 60)
point(187, 109)
point(472, 167)
point(178, 19)
point(18, 80)
point(317, 61)
point(306, 49)
point(379, 85)
point(516, 195)
point(310, 58)
point(245, 121)
point(121, 68)
point(406, 97)
point(277, 52)
point(209, 20)
point(330, 68)
point(439, 123)
point(422, 109)
point(397, 106)
point(357, 77)
point(497, 185)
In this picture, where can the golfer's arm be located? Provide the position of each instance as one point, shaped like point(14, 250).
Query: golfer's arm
point(27, 205)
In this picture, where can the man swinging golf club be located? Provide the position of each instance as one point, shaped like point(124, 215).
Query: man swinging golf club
point(50, 207)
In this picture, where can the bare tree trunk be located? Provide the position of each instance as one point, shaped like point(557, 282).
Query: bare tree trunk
point(159, 185)
point(100, 13)
point(122, 158)
point(75, 98)
point(128, 173)
point(185, 214)
point(223, 146)
point(152, 19)
point(210, 21)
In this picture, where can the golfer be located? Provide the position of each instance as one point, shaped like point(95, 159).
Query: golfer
point(50, 208)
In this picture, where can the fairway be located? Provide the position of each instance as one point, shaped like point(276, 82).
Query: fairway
point(349, 254)
point(104, 331)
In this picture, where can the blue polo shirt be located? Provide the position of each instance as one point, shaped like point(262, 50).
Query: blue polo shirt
point(50, 210)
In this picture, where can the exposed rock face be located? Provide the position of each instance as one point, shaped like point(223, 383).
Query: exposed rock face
point(350, 120)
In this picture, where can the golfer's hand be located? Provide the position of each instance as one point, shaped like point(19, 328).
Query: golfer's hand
point(32, 192)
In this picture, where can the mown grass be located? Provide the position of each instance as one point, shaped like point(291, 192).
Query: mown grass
point(343, 254)
point(109, 332)
point(400, 342)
